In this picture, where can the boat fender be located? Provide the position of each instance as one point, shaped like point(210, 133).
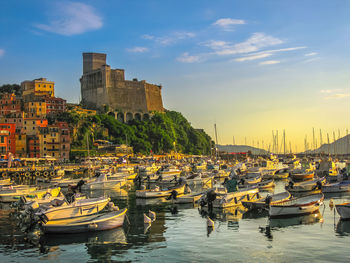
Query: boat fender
point(92, 226)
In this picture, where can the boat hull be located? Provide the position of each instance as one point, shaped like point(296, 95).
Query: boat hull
point(343, 211)
point(92, 223)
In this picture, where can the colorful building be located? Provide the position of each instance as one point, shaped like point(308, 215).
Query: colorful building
point(35, 109)
point(33, 146)
point(37, 87)
point(31, 125)
point(10, 104)
point(7, 138)
point(55, 105)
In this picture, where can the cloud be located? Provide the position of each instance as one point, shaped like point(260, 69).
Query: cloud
point(227, 24)
point(2, 52)
point(72, 18)
point(137, 49)
point(264, 54)
point(170, 39)
point(269, 62)
point(311, 54)
point(186, 58)
point(338, 96)
point(252, 44)
point(253, 57)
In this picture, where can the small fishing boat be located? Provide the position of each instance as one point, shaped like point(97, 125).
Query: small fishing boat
point(297, 206)
point(234, 198)
point(302, 176)
point(153, 193)
point(339, 187)
point(8, 195)
point(281, 174)
point(5, 181)
point(305, 186)
point(263, 202)
point(188, 198)
point(261, 185)
point(343, 210)
point(74, 209)
point(96, 222)
point(102, 182)
point(41, 195)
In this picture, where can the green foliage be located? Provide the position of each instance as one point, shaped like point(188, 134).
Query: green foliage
point(11, 88)
point(162, 133)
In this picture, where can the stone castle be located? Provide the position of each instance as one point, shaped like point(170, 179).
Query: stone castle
point(102, 86)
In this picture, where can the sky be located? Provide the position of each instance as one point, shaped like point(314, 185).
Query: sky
point(251, 67)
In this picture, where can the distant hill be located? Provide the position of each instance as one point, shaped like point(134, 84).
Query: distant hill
point(340, 146)
point(241, 148)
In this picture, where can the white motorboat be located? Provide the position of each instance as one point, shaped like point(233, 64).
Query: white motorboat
point(102, 182)
point(297, 206)
point(77, 208)
point(339, 187)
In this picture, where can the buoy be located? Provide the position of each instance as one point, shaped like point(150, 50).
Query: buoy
point(146, 219)
point(152, 215)
point(210, 223)
point(331, 203)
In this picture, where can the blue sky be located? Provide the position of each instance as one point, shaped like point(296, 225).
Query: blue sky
point(250, 66)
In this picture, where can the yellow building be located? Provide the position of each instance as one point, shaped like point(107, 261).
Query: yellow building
point(21, 145)
point(38, 87)
point(49, 138)
point(35, 109)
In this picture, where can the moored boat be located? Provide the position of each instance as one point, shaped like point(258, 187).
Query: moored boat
point(96, 222)
point(263, 202)
point(339, 187)
point(154, 193)
point(74, 209)
point(297, 206)
point(343, 210)
point(305, 186)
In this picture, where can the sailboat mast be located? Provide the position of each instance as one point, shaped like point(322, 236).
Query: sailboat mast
point(284, 142)
point(216, 141)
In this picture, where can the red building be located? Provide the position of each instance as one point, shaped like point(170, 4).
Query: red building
point(7, 138)
point(9, 104)
point(55, 105)
point(64, 140)
point(33, 146)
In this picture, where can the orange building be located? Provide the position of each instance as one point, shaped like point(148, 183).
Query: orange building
point(7, 138)
point(31, 125)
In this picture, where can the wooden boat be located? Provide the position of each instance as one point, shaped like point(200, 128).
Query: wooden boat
point(102, 182)
point(75, 209)
point(159, 193)
point(305, 186)
point(63, 183)
point(302, 176)
point(38, 196)
point(220, 174)
point(96, 222)
point(262, 202)
point(343, 210)
point(251, 179)
point(261, 185)
point(234, 198)
point(339, 187)
point(297, 206)
point(188, 198)
point(281, 174)
point(8, 195)
point(168, 171)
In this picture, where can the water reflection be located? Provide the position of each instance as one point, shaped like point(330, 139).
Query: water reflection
point(297, 220)
point(343, 227)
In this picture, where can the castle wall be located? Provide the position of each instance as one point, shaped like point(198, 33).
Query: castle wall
point(101, 85)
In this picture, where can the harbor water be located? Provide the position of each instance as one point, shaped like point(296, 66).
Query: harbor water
point(180, 234)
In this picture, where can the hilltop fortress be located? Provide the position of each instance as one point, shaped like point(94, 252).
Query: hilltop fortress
point(102, 86)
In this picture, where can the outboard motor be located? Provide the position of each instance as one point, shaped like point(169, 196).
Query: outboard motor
point(211, 196)
point(290, 185)
point(268, 200)
point(318, 185)
point(160, 178)
point(173, 195)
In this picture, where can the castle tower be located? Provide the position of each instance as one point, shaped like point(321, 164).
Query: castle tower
point(102, 86)
point(93, 61)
